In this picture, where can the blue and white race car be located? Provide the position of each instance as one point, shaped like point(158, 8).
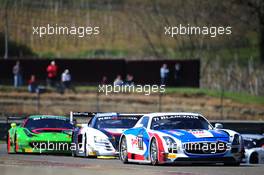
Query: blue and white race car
point(100, 137)
point(160, 138)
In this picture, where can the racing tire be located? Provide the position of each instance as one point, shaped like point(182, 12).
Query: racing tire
point(8, 142)
point(85, 148)
point(253, 159)
point(123, 155)
point(73, 152)
point(154, 152)
point(16, 144)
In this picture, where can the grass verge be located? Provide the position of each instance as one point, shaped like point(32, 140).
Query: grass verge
point(243, 97)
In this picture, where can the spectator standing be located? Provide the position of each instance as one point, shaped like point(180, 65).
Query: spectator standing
point(118, 81)
point(32, 84)
point(177, 74)
point(164, 74)
point(129, 80)
point(52, 71)
point(66, 80)
point(104, 81)
point(17, 71)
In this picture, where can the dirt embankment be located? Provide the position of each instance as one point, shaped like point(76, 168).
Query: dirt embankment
point(53, 103)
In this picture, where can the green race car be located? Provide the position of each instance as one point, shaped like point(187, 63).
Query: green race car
point(41, 134)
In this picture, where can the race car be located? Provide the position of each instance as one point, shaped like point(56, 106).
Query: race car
point(254, 148)
point(40, 134)
point(100, 137)
point(161, 138)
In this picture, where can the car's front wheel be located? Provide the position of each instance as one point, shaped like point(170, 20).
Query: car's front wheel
point(123, 150)
point(16, 144)
point(154, 152)
point(253, 158)
point(8, 144)
point(73, 151)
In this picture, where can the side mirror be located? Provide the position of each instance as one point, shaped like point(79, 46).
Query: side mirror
point(13, 125)
point(219, 126)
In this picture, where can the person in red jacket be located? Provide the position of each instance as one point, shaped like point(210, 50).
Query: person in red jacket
point(52, 71)
point(32, 84)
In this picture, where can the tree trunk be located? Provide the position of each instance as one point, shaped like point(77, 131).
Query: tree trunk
point(261, 27)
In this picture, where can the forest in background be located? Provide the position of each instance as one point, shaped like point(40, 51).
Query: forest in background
point(134, 29)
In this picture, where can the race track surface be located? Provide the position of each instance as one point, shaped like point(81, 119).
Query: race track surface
point(25, 164)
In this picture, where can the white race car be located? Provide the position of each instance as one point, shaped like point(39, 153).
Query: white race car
point(100, 137)
point(254, 148)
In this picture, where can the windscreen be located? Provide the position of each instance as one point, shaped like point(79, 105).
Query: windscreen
point(170, 122)
point(48, 122)
point(253, 143)
point(116, 122)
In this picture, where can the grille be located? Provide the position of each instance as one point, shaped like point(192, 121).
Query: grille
point(106, 145)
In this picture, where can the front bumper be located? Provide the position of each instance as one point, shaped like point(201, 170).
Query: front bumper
point(227, 157)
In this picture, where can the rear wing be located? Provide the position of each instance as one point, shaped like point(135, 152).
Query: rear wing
point(15, 119)
point(88, 115)
point(85, 115)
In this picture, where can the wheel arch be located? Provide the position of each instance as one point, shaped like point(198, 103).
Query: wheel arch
point(159, 147)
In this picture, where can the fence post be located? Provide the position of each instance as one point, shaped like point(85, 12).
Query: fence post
point(38, 101)
point(159, 102)
point(97, 101)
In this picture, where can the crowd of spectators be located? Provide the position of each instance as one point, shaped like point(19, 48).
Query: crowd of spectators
point(127, 82)
point(60, 83)
point(63, 82)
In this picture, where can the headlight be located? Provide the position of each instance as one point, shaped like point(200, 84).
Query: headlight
point(100, 139)
point(28, 133)
point(68, 132)
point(170, 142)
point(236, 140)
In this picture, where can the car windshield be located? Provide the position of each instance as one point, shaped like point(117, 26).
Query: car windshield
point(115, 122)
point(250, 143)
point(179, 122)
point(48, 122)
point(253, 143)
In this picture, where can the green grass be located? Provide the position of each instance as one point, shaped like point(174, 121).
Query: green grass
point(244, 98)
point(238, 97)
point(2, 141)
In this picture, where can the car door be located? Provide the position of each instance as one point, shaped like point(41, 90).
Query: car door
point(142, 138)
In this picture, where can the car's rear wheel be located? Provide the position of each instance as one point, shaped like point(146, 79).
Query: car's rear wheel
point(254, 158)
point(85, 146)
point(154, 152)
point(16, 144)
point(123, 150)
point(73, 152)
